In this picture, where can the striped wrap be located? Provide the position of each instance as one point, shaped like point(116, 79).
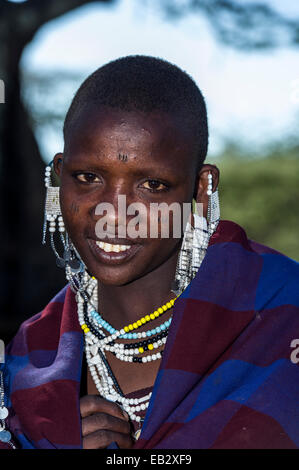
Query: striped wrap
point(226, 379)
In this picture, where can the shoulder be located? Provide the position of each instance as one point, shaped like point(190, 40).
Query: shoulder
point(42, 330)
point(41, 336)
point(278, 281)
point(270, 277)
point(38, 355)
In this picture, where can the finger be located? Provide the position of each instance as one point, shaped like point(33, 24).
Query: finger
point(91, 404)
point(102, 438)
point(99, 421)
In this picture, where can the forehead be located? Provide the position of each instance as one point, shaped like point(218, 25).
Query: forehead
point(108, 132)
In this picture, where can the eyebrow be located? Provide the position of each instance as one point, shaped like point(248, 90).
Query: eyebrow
point(105, 168)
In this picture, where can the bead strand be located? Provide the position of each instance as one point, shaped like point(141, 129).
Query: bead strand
point(144, 334)
point(100, 375)
point(97, 344)
point(146, 344)
point(133, 326)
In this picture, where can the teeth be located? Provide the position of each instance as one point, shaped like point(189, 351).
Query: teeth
point(115, 248)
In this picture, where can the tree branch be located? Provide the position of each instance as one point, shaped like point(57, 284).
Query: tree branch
point(34, 13)
point(238, 23)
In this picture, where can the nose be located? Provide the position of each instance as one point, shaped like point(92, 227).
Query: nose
point(113, 210)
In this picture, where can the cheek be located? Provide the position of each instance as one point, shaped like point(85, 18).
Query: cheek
point(166, 223)
point(72, 211)
point(157, 252)
point(164, 234)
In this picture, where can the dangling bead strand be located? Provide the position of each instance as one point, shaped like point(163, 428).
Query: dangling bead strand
point(99, 372)
point(96, 344)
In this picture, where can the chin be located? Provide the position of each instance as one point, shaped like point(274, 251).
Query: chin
point(113, 277)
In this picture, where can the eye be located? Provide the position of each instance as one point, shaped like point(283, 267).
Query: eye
point(87, 178)
point(155, 185)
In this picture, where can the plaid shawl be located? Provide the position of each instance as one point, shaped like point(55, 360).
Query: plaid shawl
point(226, 379)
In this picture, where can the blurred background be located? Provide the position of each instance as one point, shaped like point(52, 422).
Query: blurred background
point(244, 56)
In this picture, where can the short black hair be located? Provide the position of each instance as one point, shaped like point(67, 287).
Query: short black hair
point(147, 84)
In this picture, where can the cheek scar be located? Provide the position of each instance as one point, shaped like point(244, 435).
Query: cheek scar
point(74, 208)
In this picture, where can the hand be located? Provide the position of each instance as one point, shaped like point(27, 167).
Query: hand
point(104, 422)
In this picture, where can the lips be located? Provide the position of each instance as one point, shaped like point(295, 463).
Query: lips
point(113, 253)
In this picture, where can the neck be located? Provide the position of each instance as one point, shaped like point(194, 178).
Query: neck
point(122, 305)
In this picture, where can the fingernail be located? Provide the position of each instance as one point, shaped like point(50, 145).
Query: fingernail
point(126, 415)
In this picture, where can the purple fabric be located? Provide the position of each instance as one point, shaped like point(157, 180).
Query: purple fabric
point(226, 379)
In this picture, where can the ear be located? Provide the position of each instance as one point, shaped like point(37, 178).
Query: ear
point(200, 194)
point(57, 163)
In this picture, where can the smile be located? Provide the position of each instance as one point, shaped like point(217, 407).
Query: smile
point(108, 247)
point(112, 253)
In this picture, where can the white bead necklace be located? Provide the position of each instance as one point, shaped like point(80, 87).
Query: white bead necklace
point(95, 355)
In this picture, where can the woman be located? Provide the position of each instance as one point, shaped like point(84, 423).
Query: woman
point(157, 341)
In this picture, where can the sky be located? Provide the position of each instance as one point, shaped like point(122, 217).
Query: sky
point(252, 98)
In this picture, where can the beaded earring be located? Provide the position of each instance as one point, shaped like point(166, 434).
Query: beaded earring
point(5, 435)
point(195, 241)
point(213, 207)
point(52, 208)
point(53, 221)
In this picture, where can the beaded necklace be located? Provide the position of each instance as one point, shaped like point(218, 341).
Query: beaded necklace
point(97, 344)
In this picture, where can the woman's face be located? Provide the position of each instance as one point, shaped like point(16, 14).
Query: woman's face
point(148, 158)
